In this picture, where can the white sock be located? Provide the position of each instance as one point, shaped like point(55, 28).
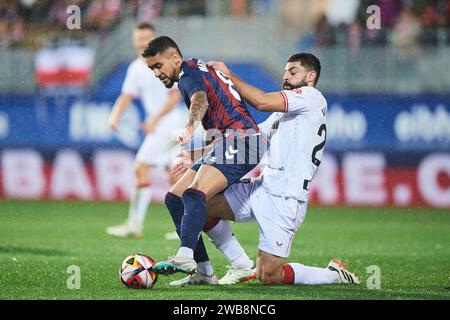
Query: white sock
point(140, 200)
point(185, 252)
point(205, 268)
point(313, 275)
point(223, 238)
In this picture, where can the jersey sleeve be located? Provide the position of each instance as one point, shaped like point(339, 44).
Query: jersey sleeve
point(131, 84)
point(295, 101)
point(191, 82)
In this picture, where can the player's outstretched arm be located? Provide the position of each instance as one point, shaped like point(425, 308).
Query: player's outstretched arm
point(121, 104)
point(268, 102)
point(174, 98)
point(197, 110)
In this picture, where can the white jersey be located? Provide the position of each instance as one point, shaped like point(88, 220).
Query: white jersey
point(141, 82)
point(296, 147)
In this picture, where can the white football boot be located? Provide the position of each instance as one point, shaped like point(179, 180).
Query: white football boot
point(128, 229)
point(195, 279)
point(237, 275)
point(344, 275)
point(174, 265)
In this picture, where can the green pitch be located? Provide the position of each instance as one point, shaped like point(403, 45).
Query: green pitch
point(40, 240)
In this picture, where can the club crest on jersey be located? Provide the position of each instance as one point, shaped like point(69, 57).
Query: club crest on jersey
point(298, 91)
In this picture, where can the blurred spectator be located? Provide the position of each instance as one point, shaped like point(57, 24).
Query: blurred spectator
point(429, 22)
point(11, 24)
point(325, 33)
point(263, 7)
point(17, 32)
point(355, 35)
point(374, 37)
point(390, 10)
point(57, 12)
point(8, 10)
point(31, 23)
point(4, 34)
point(406, 33)
point(102, 14)
point(239, 8)
point(193, 7)
point(185, 8)
point(148, 9)
point(342, 11)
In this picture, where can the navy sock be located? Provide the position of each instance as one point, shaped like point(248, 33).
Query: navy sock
point(194, 217)
point(176, 209)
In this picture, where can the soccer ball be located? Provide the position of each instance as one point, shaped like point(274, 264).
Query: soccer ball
point(134, 272)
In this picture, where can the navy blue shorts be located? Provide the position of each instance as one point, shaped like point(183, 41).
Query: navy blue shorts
point(235, 156)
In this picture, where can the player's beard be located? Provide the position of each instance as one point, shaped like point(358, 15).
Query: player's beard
point(291, 86)
point(169, 82)
point(170, 85)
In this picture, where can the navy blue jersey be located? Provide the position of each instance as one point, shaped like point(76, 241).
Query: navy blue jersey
point(226, 108)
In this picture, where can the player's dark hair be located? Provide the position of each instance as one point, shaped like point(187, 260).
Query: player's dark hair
point(144, 26)
point(309, 61)
point(159, 45)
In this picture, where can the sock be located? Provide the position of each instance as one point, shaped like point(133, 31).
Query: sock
point(176, 209)
point(296, 273)
point(185, 252)
point(194, 217)
point(223, 238)
point(205, 268)
point(140, 202)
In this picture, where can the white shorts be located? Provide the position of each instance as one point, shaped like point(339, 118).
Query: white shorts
point(278, 217)
point(160, 146)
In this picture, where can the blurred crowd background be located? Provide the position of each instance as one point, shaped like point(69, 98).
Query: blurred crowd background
point(410, 29)
point(31, 23)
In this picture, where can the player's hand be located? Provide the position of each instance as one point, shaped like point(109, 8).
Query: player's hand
point(113, 122)
point(186, 135)
point(183, 164)
point(150, 126)
point(220, 66)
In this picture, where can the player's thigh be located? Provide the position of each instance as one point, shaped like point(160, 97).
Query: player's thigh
point(278, 220)
point(218, 207)
point(183, 183)
point(155, 150)
point(269, 268)
point(239, 198)
point(209, 180)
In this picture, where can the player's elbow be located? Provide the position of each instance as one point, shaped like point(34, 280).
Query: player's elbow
point(125, 99)
point(263, 107)
point(263, 104)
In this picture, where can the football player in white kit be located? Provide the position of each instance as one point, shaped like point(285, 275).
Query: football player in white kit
point(163, 117)
point(278, 199)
